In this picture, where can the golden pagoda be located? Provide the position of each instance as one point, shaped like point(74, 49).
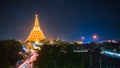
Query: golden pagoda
point(36, 33)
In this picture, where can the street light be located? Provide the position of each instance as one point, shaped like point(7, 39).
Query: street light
point(83, 38)
point(95, 36)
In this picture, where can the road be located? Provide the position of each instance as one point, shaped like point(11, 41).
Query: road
point(111, 54)
point(28, 63)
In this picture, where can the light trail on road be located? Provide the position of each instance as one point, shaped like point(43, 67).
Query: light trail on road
point(112, 54)
point(29, 62)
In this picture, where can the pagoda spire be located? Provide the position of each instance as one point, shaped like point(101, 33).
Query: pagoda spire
point(36, 33)
point(36, 24)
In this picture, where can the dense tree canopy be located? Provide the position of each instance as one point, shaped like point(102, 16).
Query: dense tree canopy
point(61, 55)
point(9, 51)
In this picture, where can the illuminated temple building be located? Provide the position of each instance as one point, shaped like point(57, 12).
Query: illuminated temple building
point(36, 34)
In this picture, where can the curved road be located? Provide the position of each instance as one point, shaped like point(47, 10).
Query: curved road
point(28, 63)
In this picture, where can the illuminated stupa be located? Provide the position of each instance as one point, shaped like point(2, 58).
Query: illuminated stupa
point(36, 33)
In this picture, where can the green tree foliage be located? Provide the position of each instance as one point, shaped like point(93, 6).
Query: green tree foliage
point(59, 55)
point(9, 51)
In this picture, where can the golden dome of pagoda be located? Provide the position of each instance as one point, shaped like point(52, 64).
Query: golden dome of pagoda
point(36, 33)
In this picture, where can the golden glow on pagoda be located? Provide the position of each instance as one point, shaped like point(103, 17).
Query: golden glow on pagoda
point(36, 33)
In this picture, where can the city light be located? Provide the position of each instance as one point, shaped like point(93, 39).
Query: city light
point(112, 54)
point(95, 37)
point(30, 60)
point(83, 38)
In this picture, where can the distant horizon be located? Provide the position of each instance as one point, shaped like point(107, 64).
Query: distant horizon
point(71, 40)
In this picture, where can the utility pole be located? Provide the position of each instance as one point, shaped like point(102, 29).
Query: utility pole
point(100, 61)
point(90, 60)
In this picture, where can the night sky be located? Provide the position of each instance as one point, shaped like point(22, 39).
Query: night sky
point(66, 19)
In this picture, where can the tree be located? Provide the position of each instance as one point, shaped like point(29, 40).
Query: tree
point(9, 50)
